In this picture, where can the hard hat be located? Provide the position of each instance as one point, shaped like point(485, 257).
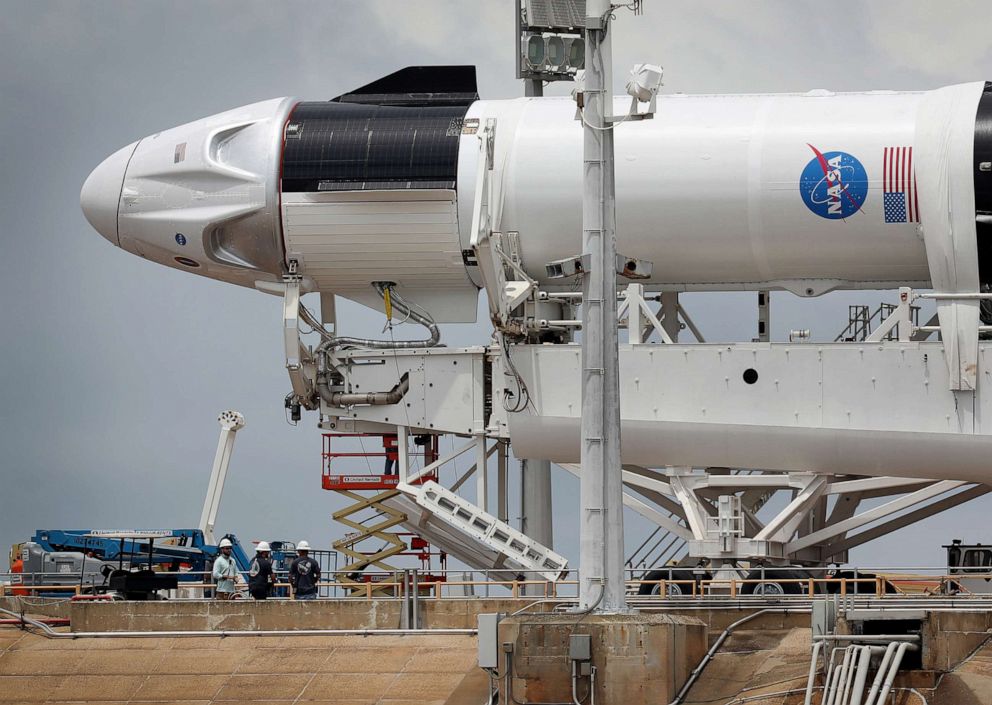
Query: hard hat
point(225, 543)
point(302, 546)
point(262, 546)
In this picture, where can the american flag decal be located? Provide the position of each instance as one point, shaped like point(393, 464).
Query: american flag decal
point(900, 201)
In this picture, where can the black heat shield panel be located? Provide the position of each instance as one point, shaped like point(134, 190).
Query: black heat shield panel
point(341, 146)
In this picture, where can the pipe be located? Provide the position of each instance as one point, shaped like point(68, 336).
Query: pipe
point(403, 306)
point(811, 679)
point(684, 690)
point(837, 683)
point(47, 631)
point(51, 621)
point(832, 674)
point(866, 637)
point(880, 675)
point(858, 664)
point(393, 396)
point(896, 660)
point(864, 664)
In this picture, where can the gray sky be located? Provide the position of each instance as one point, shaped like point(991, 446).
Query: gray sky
point(114, 369)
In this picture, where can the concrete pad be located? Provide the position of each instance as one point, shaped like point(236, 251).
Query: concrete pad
point(416, 687)
point(440, 660)
point(365, 659)
point(284, 660)
point(22, 688)
point(473, 689)
point(281, 687)
point(169, 688)
point(199, 662)
point(354, 686)
point(108, 662)
point(97, 688)
point(28, 663)
point(130, 644)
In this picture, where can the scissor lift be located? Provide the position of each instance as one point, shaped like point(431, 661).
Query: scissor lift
point(367, 516)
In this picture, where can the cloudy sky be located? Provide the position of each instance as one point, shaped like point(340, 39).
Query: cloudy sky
point(114, 369)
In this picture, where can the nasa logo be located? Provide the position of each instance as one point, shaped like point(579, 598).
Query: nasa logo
point(833, 185)
point(180, 239)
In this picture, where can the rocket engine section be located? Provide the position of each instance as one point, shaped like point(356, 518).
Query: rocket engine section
point(806, 192)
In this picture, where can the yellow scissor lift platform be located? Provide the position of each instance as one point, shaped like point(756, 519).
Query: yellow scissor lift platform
point(369, 518)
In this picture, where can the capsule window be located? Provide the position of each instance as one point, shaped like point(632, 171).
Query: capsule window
point(750, 375)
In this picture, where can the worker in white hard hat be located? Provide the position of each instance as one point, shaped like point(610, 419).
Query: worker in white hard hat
point(304, 574)
point(260, 575)
point(225, 571)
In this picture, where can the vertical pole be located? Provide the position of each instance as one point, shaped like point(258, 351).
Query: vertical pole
point(764, 316)
point(536, 509)
point(601, 564)
point(670, 314)
point(481, 476)
point(403, 454)
point(502, 501)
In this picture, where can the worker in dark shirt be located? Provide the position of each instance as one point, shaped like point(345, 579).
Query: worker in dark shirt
point(260, 576)
point(304, 573)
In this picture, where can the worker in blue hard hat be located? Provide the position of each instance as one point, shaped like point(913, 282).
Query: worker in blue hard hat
point(260, 575)
point(304, 573)
point(225, 571)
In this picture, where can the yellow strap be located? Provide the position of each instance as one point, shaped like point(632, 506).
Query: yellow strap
point(389, 303)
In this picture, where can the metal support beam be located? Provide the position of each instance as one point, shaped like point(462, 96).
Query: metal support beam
point(764, 316)
point(481, 476)
point(906, 519)
point(650, 513)
point(536, 501)
point(670, 314)
point(403, 446)
point(782, 526)
point(872, 515)
point(601, 558)
point(502, 501)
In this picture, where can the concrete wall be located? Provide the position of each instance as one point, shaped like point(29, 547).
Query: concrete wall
point(638, 658)
point(242, 615)
point(35, 606)
point(415, 669)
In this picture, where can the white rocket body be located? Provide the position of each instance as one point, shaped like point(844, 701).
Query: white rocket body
point(806, 192)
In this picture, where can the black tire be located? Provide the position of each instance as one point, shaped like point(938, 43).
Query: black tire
point(675, 589)
point(775, 582)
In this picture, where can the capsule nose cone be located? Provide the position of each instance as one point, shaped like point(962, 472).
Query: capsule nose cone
point(101, 193)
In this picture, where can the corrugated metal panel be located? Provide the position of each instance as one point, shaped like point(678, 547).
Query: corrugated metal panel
point(345, 241)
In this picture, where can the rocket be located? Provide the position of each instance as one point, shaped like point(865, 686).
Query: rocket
point(806, 192)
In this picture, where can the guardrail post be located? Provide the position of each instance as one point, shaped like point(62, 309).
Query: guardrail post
point(733, 587)
point(879, 592)
point(812, 587)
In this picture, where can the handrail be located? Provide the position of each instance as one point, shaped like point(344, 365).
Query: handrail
point(923, 584)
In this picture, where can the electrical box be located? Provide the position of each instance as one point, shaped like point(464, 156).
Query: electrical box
point(824, 617)
point(580, 647)
point(489, 640)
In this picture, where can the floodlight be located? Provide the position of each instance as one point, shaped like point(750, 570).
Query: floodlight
point(556, 53)
point(645, 80)
point(576, 53)
point(534, 52)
